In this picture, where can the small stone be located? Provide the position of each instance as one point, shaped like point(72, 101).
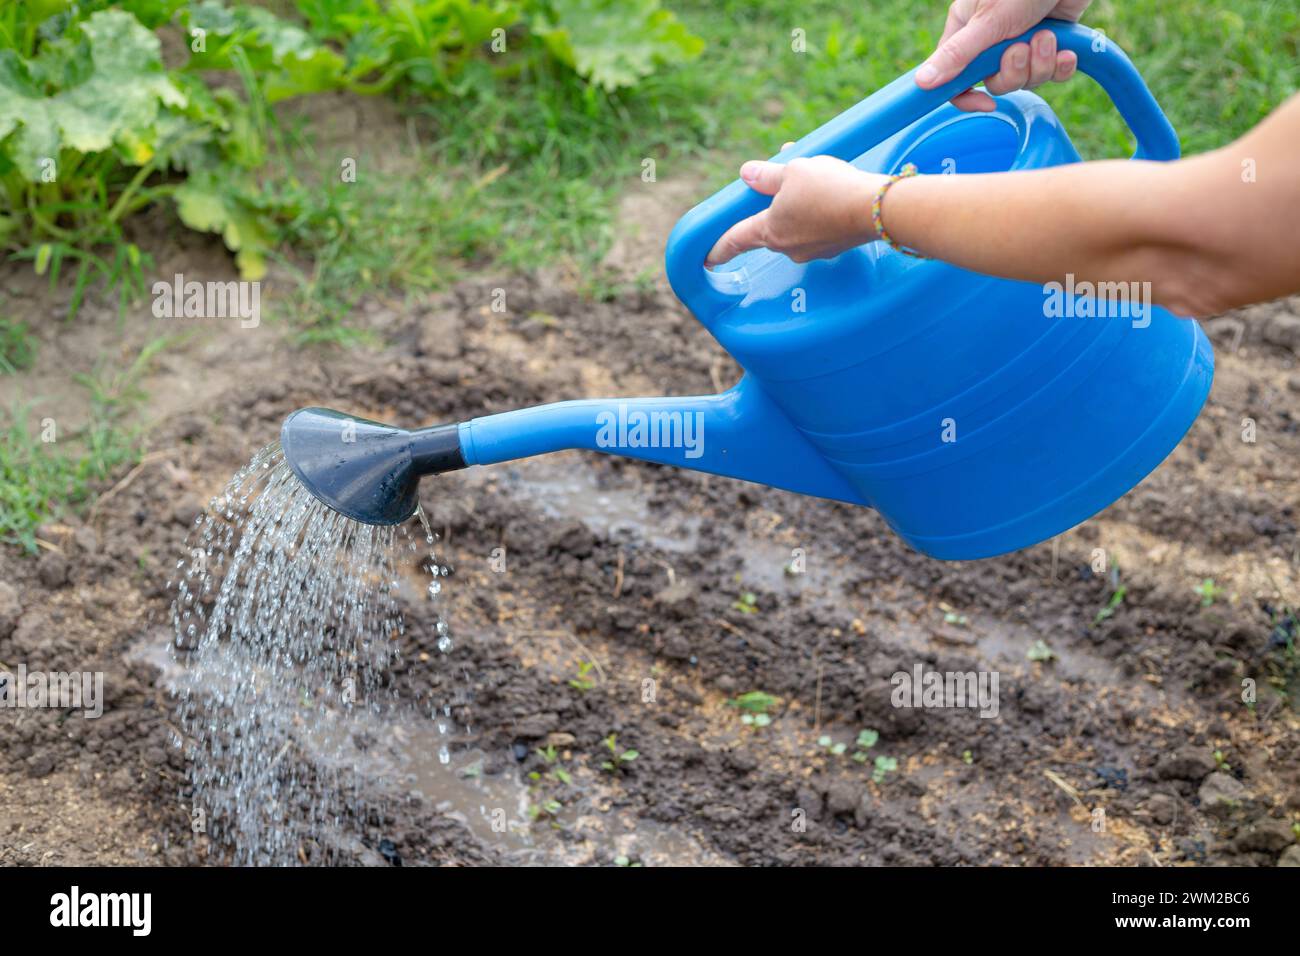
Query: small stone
point(1221, 793)
point(1290, 856)
point(186, 513)
point(1265, 836)
point(1163, 808)
point(809, 801)
point(52, 569)
point(11, 609)
point(536, 725)
point(1186, 764)
point(842, 797)
point(862, 812)
point(86, 540)
point(1283, 330)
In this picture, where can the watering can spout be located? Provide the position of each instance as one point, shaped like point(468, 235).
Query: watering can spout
point(739, 433)
point(370, 471)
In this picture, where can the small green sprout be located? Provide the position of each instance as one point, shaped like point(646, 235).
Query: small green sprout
point(884, 766)
point(1208, 591)
point(1116, 599)
point(547, 808)
point(620, 757)
point(1039, 651)
point(583, 681)
point(755, 706)
point(747, 603)
point(831, 747)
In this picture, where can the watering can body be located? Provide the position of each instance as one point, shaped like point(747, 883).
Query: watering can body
point(978, 415)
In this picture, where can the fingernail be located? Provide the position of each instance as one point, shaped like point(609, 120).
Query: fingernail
point(926, 74)
point(749, 171)
point(1043, 41)
point(1020, 55)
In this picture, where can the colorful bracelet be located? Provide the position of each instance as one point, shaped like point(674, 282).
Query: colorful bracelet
point(879, 201)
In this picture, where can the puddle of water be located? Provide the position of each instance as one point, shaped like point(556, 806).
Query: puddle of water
point(565, 486)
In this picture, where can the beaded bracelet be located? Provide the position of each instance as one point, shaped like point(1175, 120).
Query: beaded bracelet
point(879, 201)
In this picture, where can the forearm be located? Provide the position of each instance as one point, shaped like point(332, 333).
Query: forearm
point(1114, 221)
point(1203, 235)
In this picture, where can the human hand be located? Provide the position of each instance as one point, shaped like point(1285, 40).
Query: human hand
point(821, 206)
point(975, 25)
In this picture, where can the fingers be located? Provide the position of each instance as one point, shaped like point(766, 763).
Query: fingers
point(1067, 61)
point(1042, 58)
point(955, 52)
point(974, 101)
point(743, 236)
point(763, 177)
point(1027, 65)
point(1013, 73)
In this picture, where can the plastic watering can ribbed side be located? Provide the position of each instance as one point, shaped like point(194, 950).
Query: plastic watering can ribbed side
point(949, 401)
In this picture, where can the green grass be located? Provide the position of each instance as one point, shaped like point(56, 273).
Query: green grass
point(525, 169)
point(40, 478)
point(17, 347)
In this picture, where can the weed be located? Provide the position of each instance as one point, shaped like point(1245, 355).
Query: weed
point(17, 347)
point(619, 758)
point(583, 681)
point(1208, 591)
point(747, 603)
point(755, 706)
point(883, 767)
point(1039, 651)
point(1221, 761)
point(1116, 599)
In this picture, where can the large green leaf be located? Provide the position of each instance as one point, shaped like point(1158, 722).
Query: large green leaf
point(206, 203)
point(287, 61)
point(115, 100)
point(615, 43)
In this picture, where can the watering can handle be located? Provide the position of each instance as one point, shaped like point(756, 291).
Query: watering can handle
point(881, 115)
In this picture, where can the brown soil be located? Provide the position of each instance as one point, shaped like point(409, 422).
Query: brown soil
point(639, 569)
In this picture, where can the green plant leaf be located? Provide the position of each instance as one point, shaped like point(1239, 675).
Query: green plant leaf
point(615, 43)
point(203, 204)
point(115, 99)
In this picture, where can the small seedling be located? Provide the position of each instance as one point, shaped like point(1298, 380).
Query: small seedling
point(583, 681)
point(866, 740)
point(952, 617)
point(831, 747)
point(550, 756)
point(625, 861)
point(883, 767)
point(1222, 762)
point(548, 808)
point(1208, 591)
point(755, 706)
point(1116, 599)
point(1039, 651)
point(747, 603)
point(967, 757)
point(621, 758)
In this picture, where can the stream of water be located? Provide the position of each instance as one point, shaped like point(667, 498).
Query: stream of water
point(286, 618)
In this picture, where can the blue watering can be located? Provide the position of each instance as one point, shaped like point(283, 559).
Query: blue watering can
point(949, 401)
